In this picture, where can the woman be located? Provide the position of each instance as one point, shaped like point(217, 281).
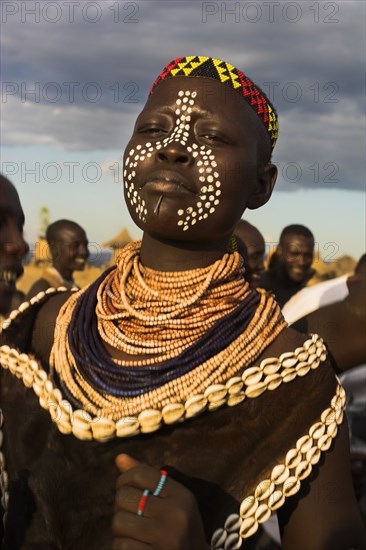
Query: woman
point(216, 412)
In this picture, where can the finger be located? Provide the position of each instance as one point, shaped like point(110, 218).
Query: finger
point(141, 528)
point(125, 462)
point(129, 544)
point(144, 477)
point(128, 500)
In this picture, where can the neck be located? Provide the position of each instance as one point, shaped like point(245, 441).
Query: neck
point(287, 280)
point(165, 255)
point(65, 273)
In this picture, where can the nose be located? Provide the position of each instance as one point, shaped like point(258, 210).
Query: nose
point(260, 264)
point(83, 250)
point(303, 260)
point(175, 152)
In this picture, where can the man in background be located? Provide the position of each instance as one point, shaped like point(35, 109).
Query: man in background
point(68, 245)
point(252, 247)
point(292, 268)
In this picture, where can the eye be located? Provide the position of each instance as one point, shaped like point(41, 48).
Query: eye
point(151, 130)
point(212, 137)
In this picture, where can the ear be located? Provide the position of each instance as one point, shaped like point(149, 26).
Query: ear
point(263, 188)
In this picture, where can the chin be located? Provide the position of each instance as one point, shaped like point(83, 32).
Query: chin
point(78, 267)
point(166, 233)
point(162, 226)
point(298, 279)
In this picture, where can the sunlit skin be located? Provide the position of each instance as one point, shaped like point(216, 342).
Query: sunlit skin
point(172, 177)
point(255, 248)
point(13, 247)
point(297, 255)
point(70, 251)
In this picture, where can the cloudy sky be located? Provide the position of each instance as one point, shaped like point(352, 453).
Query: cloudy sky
point(76, 73)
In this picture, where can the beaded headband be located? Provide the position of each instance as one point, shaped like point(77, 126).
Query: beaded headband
point(195, 66)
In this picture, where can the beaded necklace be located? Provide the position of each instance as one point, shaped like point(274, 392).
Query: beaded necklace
point(177, 307)
point(223, 325)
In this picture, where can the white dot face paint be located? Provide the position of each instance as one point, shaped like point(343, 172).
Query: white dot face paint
point(205, 159)
point(132, 193)
point(205, 205)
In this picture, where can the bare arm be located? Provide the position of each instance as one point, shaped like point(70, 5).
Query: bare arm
point(342, 325)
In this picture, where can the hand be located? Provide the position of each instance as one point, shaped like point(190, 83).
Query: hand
point(170, 521)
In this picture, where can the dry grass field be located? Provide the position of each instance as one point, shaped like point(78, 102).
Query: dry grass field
point(324, 271)
point(33, 272)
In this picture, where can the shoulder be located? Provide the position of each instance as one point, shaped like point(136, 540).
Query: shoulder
point(302, 360)
point(31, 326)
point(287, 341)
point(45, 325)
point(38, 286)
point(298, 368)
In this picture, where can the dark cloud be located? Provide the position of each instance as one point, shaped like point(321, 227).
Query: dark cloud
point(313, 68)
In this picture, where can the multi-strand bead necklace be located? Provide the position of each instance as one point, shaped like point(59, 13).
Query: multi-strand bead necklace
point(192, 328)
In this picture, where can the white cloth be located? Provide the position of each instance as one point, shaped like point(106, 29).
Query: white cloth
point(311, 298)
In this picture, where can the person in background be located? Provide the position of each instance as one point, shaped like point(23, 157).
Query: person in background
point(292, 269)
point(68, 245)
point(13, 247)
point(252, 247)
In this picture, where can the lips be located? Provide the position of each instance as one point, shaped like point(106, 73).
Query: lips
point(165, 181)
point(298, 270)
point(9, 276)
point(80, 261)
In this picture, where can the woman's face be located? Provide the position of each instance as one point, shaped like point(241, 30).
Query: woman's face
point(12, 244)
point(192, 161)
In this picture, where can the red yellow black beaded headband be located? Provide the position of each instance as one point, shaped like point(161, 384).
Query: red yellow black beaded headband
point(230, 76)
